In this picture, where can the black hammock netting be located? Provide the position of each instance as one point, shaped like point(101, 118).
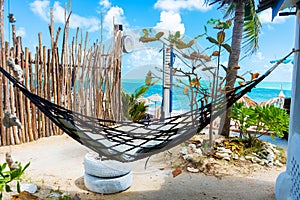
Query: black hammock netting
point(129, 141)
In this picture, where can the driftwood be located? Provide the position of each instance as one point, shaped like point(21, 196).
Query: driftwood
point(72, 76)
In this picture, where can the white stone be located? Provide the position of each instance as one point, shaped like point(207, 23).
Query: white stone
point(199, 151)
point(247, 157)
point(192, 146)
point(224, 150)
point(184, 151)
point(192, 170)
point(242, 159)
point(227, 158)
point(221, 155)
point(29, 187)
point(277, 163)
point(256, 160)
point(263, 162)
point(188, 157)
point(235, 156)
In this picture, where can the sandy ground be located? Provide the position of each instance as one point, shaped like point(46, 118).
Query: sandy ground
point(57, 163)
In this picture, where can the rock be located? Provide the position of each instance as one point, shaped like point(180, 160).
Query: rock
point(263, 162)
point(54, 195)
point(247, 157)
point(235, 156)
point(227, 158)
point(199, 151)
point(183, 151)
point(188, 157)
point(277, 163)
point(254, 154)
point(219, 140)
point(17, 70)
point(10, 120)
point(270, 156)
point(192, 146)
point(255, 159)
point(242, 159)
point(192, 170)
point(29, 187)
point(24, 195)
point(198, 139)
point(222, 155)
point(224, 150)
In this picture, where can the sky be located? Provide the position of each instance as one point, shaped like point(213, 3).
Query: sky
point(187, 16)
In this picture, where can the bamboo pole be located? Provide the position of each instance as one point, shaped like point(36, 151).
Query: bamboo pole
point(27, 102)
point(21, 116)
point(40, 89)
point(33, 108)
point(37, 59)
point(2, 103)
point(44, 87)
point(8, 131)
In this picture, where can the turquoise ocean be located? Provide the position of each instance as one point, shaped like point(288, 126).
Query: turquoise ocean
point(262, 92)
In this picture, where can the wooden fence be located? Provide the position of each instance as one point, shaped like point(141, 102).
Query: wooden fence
point(77, 76)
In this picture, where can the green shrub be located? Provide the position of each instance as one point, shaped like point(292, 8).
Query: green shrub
point(9, 175)
point(264, 119)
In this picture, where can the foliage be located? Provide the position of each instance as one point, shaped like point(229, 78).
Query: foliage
point(137, 109)
point(7, 176)
point(264, 119)
point(133, 108)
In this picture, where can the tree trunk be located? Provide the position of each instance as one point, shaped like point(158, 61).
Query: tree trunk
point(233, 60)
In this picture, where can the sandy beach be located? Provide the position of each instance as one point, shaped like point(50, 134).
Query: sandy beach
point(57, 164)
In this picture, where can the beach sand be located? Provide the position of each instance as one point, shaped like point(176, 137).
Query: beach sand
point(57, 164)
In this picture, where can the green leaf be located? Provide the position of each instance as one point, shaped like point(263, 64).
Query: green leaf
point(177, 34)
point(205, 29)
point(7, 188)
point(18, 187)
point(3, 166)
point(212, 40)
point(25, 167)
point(212, 21)
point(227, 47)
point(14, 174)
point(221, 37)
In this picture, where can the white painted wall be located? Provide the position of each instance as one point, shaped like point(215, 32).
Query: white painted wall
point(288, 182)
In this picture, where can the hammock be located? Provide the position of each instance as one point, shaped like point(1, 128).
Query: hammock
point(129, 141)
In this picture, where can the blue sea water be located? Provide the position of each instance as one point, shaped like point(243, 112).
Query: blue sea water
point(262, 92)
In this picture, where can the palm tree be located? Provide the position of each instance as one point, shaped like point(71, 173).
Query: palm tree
point(246, 26)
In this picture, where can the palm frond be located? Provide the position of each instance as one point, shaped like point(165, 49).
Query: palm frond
point(229, 10)
point(252, 26)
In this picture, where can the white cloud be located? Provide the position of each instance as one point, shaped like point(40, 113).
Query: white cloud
point(115, 15)
point(58, 12)
point(42, 8)
point(266, 18)
point(260, 56)
point(170, 20)
point(21, 31)
point(105, 3)
point(176, 5)
point(137, 63)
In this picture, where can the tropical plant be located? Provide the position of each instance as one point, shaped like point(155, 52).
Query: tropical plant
point(246, 25)
point(7, 176)
point(137, 109)
point(133, 108)
point(263, 119)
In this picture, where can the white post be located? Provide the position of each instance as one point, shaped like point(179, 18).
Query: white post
point(166, 83)
point(287, 183)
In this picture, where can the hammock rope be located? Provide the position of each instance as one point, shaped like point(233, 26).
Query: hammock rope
point(128, 141)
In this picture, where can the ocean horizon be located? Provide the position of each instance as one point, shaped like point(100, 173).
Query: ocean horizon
point(262, 92)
